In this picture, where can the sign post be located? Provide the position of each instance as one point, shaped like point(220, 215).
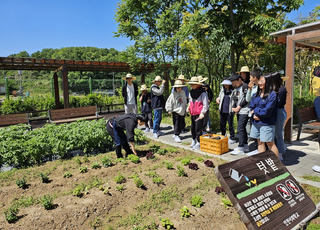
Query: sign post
point(264, 193)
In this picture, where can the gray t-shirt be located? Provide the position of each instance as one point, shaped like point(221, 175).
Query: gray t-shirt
point(130, 95)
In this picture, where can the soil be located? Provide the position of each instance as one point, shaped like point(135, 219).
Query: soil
point(131, 207)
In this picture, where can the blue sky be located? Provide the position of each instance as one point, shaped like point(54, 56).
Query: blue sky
point(32, 25)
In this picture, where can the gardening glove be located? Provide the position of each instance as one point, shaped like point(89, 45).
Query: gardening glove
point(201, 116)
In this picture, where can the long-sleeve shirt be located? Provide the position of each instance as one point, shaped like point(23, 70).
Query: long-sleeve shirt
point(156, 91)
point(177, 103)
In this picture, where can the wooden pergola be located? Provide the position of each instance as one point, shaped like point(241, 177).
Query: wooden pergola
point(37, 64)
point(305, 36)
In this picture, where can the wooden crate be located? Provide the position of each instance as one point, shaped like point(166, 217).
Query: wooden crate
point(214, 146)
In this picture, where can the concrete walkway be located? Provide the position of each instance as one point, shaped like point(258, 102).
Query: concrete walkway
point(299, 158)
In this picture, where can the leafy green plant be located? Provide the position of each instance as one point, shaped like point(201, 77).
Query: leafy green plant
point(157, 180)
point(22, 183)
point(138, 182)
point(106, 161)
point(85, 159)
point(184, 212)
point(95, 165)
point(11, 213)
point(166, 223)
point(151, 174)
point(67, 174)
point(185, 161)
point(196, 201)
point(120, 188)
point(200, 159)
point(78, 160)
point(172, 150)
point(77, 191)
point(83, 169)
point(154, 148)
point(135, 159)
point(169, 165)
point(181, 171)
point(44, 178)
point(162, 151)
point(227, 203)
point(46, 201)
point(120, 178)
point(139, 136)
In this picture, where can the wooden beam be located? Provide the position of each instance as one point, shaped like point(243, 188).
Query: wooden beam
point(290, 88)
point(56, 90)
point(65, 87)
point(142, 78)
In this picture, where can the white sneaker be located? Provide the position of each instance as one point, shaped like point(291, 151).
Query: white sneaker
point(155, 136)
point(246, 148)
point(231, 141)
point(237, 151)
point(151, 130)
point(208, 129)
point(173, 136)
point(193, 143)
point(177, 139)
point(147, 130)
point(316, 168)
point(196, 146)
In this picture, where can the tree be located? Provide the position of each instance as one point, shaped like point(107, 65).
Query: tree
point(243, 22)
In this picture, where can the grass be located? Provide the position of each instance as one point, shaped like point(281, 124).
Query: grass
point(312, 178)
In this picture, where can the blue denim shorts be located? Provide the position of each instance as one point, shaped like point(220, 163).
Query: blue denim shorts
point(264, 133)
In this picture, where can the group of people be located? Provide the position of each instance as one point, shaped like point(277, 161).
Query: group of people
point(258, 102)
point(256, 99)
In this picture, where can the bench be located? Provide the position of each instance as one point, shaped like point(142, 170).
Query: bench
point(14, 119)
point(73, 114)
point(108, 106)
point(308, 119)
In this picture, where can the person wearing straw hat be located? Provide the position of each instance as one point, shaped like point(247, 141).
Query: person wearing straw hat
point(176, 105)
point(145, 99)
point(225, 101)
point(130, 94)
point(157, 103)
point(198, 106)
point(186, 90)
point(202, 79)
point(281, 90)
point(245, 74)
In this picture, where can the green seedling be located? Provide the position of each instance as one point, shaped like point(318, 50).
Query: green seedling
point(135, 159)
point(185, 161)
point(162, 151)
point(169, 165)
point(77, 192)
point(196, 201)
point(85, 159)
point(120, 178)
point(227, 203)
point(181, 171)
point(138, 182)
point(154, 148)
point(200, 159)
point(67, 174)
point(120, 188)
point(22, 183)
point(166, 223)
point(95, 165)
point(157, 180)
point(43, 178)
point(83, 169)
point(106, 161)
point(78, 160)
point(11, 214)
point(184, 212)
point(46, 202)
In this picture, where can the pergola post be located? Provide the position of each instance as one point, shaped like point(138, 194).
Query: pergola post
point(65, 87)
point(56, 90)
point(142, 78)
point(166, 85)
point(290, 89)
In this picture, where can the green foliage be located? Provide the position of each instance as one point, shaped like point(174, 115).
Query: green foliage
point(196, 201)
point(154, 148)
point(46, 201)
point(169, 165)
point(11, 214)
point(313, 226)
point(106, 161)
point(227, 203)
point(78, 160)
point(85, 159)
point(135, 159)
point(166, 223)
point(157, 180)
point(200, 159)
point(138, 182)
point(120, 178)
point(185, 161)
point(77, 192)
point(121, 160)
point(120, 188)
point(83, 169)
point(184, 212)
point(172, 150)
point(22, 183)
point(139, 136)
point(43, 178)
point(181, 171)
point(162, 151)
point(151, 174)
point(67, 174)
point(95, 165)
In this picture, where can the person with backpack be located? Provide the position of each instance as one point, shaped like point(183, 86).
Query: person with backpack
point(116, 127)
point(176, 105)
point(145, 99)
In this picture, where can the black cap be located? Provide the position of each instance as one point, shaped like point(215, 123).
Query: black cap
point(234, 77)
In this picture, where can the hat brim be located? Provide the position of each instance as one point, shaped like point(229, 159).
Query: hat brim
point(194, 83)
point(204, 79)
point(181, 79)
point(144, 89)
point(177, 86)
point(125, 78)
point(285, 78)
point(226, 83)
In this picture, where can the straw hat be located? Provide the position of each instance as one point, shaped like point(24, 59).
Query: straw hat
point(178, 83)
point(284, 78)
point(143, 87)
point(181, 77)
point(158, 78)
point(244, 69)
point(128, 77)
point(201, 79)
point(194, 81)
point(226, 82)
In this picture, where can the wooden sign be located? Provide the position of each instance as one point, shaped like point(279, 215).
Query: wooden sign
point(264, 193)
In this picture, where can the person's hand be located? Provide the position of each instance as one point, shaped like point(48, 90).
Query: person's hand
point(256, 118)
point(201, 116)
point(250, 85)
point(169, 113)
point(149, 100)
point(252, 111)
point(134, 152)
point(209, 101)
point(218, 101)
point(163, 82)
point(236, 110)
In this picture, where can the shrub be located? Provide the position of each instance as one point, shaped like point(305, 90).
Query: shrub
point(196, 201)
point(106, 161)
point(46, 202)
point(135, 159)
point(67, 174)
point(95, 165)
point(44, 178)
point(11, 214)
point(120, 178)
point(22, 183)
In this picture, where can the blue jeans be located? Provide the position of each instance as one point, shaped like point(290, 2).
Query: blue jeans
point(279, 130)
point(119, 136)
point(157, 120)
